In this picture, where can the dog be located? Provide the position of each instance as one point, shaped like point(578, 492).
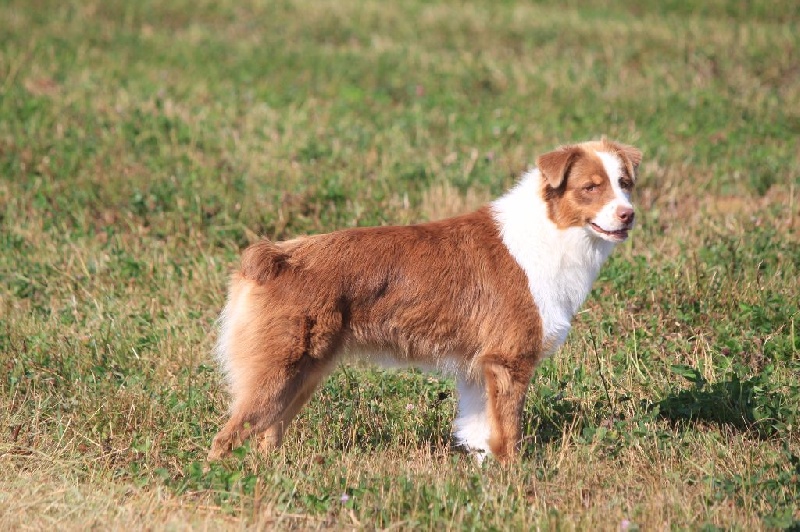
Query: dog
point(484, 297)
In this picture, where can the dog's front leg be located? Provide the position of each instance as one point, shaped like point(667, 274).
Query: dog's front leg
point(507, 381)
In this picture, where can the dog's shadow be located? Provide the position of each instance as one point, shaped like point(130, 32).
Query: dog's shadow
point(757, 405)
point(751, 405)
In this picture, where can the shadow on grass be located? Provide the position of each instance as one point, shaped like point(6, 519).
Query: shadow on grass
point(754, 404)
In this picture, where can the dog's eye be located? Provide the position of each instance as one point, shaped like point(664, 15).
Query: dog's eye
point(590, 188)
point(625, 184)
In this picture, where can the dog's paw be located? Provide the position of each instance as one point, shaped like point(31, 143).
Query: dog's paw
point(216, 454)
point(220, 448)
point(476, 453)
point(479, 455)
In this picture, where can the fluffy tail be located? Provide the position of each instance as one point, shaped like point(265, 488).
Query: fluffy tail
point(260, 262)
point(263, 261)
point(231, 322)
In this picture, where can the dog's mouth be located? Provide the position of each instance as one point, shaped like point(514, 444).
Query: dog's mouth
point(616, 236)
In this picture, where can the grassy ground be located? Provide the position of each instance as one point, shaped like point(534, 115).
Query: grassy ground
point(142, 144)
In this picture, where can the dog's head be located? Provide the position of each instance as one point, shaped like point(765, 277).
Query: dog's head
point(589, 185)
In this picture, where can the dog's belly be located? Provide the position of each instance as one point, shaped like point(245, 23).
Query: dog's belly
point(449, 365)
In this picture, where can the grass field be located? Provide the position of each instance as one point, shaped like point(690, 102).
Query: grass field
point(143, 144)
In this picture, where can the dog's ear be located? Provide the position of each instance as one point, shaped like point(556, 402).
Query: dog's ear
point(631, 156)
point(555, 165)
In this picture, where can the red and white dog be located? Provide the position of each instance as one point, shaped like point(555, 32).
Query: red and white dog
point(484, 296)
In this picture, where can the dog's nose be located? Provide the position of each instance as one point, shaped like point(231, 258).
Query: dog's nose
point(625, 214)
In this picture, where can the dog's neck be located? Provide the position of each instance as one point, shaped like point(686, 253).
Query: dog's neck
point(561, 264)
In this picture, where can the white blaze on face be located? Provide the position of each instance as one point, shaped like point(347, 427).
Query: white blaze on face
point(607, 218)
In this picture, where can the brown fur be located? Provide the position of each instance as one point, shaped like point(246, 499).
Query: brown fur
point(378, 289)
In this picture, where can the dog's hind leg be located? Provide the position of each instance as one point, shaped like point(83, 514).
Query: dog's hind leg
point(273, 435)
point(267, 406)
point(274, 371)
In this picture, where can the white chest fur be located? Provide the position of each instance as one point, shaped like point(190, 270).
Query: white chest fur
point(561, 265)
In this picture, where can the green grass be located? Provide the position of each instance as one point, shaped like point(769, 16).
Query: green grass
point(143, 144)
